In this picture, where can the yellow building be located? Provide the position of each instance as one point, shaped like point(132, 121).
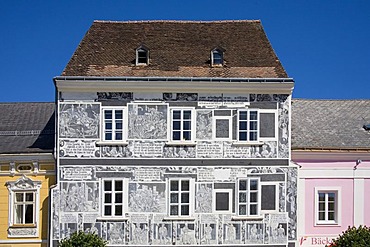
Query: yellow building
point(27, 171)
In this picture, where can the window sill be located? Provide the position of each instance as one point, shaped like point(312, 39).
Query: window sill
point(111, 143)
point(240, 143)
point(180, 143)
point(23, 226)
point(179, 218)
point(327, 224)
point(243, 217)
point(111, 219)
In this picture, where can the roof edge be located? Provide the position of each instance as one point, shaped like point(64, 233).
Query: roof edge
point(177, 21)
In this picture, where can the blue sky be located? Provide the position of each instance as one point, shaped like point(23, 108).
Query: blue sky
point(323, 45)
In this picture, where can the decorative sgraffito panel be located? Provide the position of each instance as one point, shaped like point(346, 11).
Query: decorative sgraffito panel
point(151, 192)
point(147, 121)
point(79, 120)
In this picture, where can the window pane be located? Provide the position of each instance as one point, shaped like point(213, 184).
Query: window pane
point(107, 186)
point(242, 184)
point(185, 185)
point(108, 125)
point(118, 198)
point(176, 114)
point(253, 197)
point(174, 210)
point(118, 136)
point(176, 125)
point(185, 210)
point(253, 185)
point(119, 125)
point(321, 197)
point(29, 214)
point(186, 135)
point(107, 198)
point(119, 114)
point(176, 135)
point(253, 125)
point(184, 197)
point(242, 209)
point(108, 136)
point(253, 115)
point(108, 210)
point(118, 185)
point(321, 206)
point(331, 197)
point(321, 215)
point(29, 197)
point(174, 198)
point(174, 186)
point(331, 206)
point(243, 115)
point(253, 136)
point(242, 197)
point(243, 125)
point(331, 216)
point(118, 210)
point(253, 210)
point(187, 114)
point(186, 125)
point(19, 214)
point(108, 114)
point(242, 136)
point(19, 197)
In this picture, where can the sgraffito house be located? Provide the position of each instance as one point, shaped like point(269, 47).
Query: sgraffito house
point(175, 133)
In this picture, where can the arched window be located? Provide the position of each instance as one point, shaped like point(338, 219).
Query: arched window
point(217, 57)
point(142, 56)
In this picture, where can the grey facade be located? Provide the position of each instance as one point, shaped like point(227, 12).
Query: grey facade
point(169, 160)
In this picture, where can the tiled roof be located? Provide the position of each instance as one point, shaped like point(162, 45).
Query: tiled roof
point(27, 128)
point(330, 124)
point(176, 49)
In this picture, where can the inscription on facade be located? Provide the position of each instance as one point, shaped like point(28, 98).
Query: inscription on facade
point(209, 150)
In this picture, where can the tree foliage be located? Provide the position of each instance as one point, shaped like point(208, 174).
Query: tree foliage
point(356, 237)
point(82, 239)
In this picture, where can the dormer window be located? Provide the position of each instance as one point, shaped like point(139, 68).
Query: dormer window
point(142, 56)
point(217, 57)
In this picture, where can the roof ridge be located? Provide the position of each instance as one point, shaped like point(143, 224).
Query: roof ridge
point(175, 21)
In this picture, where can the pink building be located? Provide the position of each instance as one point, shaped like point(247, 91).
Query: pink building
point(331, 144)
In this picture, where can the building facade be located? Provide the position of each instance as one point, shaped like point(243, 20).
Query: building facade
point(331, 144)
point(175, 133)
point(27, 171)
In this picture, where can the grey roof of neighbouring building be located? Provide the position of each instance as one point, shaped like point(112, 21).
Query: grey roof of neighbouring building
point(27, 128)
point(330, 124)
point(176, 49)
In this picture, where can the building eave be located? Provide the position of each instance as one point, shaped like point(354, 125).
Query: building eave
point(316, 155)
point(175, 84)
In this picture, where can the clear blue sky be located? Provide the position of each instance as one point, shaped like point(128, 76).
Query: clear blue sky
point(324, 45)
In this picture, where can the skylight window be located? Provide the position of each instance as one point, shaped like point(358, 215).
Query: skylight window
point(142, 56)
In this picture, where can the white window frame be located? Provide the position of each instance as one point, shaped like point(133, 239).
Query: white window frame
point(23, 185)
point(248, 193)
point(112, 203)
point(192, 125)
point(337, 206)
point(219, 51)
point(114, 130)
point(248, 131)
point(276, 184)
point(214, 126)
point(138, 50)
point(261, 111)
point(230, 192)
point(179, 203)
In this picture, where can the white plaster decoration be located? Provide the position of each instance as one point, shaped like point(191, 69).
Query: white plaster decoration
point(23, 183)
point(12, 168)
point(359, 201)
point(36, 167)
point(22, 232)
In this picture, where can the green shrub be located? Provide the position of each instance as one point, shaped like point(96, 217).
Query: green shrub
point(353, 237)
point(82, 239)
